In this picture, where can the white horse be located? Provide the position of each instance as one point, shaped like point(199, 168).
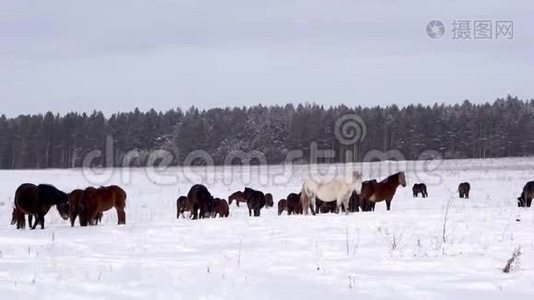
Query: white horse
point(329, 189)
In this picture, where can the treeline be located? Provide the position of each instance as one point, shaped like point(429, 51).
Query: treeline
point(501, 129)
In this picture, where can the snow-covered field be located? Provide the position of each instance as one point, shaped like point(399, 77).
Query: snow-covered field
point(382, 255)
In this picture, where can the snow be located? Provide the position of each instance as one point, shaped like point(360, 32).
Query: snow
point(380, 255)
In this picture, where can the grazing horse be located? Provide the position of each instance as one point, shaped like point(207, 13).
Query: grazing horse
point(37, 200)
point(180, 206)
point(238, 197)
point(326, 207)
point(293, 204)
point(255, 201)
point(199, 200)
point(269, 200)
point(220, 207)
point(95, 201)
point(525, 200)
point(282, 205)
point(74, 200)
point(337, 189)
point(419, 188)
point(385, 189)
point(463, 190)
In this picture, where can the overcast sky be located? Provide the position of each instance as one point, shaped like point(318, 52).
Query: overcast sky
point(118, 55)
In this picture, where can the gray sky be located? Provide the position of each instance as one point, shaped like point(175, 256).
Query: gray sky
point(118, 55)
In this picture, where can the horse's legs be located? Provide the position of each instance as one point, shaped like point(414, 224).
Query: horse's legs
point(30, 220)
point(388, 204)
point(42, 221)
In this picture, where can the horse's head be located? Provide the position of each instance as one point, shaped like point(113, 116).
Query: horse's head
point(14, 216)
point(63, 210)
point(402, 179)
point(521, 200)
point(269, 200)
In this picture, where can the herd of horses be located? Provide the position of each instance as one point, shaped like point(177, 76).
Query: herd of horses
point(87, 205)
point(326, 195)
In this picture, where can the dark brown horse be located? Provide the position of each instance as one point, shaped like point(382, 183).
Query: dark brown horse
point(237, 197)
point(19, 218)
point(199, 202)
point(255, 201)
point(525, 200)
point(419, 188)
point(37, 200)
point(95, 201)
point(282, 205)
point(180, 206)
point(326, 207)
point(74, 200)
point(220, 207)
point(293, 204)
point(463, 190)
point(269, 200)
point(368, 188)
point(384, 190)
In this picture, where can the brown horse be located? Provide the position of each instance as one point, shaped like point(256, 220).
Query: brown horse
point(367, 191)
point(525, 200)
point(326, 207)
point(237, 197)
point(269, 200)
point(255, 201)
point(98, 200)
point(220, 207)
point(74, 200)
point(282, 205)
point(293, 204)
point(463, 190)
point(384, 190)
point(19, 218)
point(37, 200)
point(180, 206)
point(419, 188)
point(199, 202)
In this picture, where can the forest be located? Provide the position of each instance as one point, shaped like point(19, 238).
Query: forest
point(503, 128)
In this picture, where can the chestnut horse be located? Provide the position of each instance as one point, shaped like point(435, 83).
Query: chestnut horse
point(385, 189)
point(199, 202)
point(255, 201)
point(220, 207)
point(74, 199)
point(37, 200)
point(98, 200)
point(238, 197)
point(180, 206)
point(367, 191)
point(463, 190)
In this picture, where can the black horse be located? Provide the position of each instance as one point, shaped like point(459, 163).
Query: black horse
point(419, 188)
point(255, 201)
point(199, 202)
point(525, 200)
point(37, 200)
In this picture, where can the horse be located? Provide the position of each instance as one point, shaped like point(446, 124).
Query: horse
point(385, 189)
point(326, 207)
point(293, 204)
point(199, 199)
point(37, 200)
point(238, 197)
point(282, 205)
point(463, 190)
point(419, 188)
point(255, 201)
point(17, 215)
point(338, 189)
point(368, 188)
point(269, 200)
point(220, 207)
point(95, 201)
point(525, 200)
point(74, 200)
point(180, 206)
